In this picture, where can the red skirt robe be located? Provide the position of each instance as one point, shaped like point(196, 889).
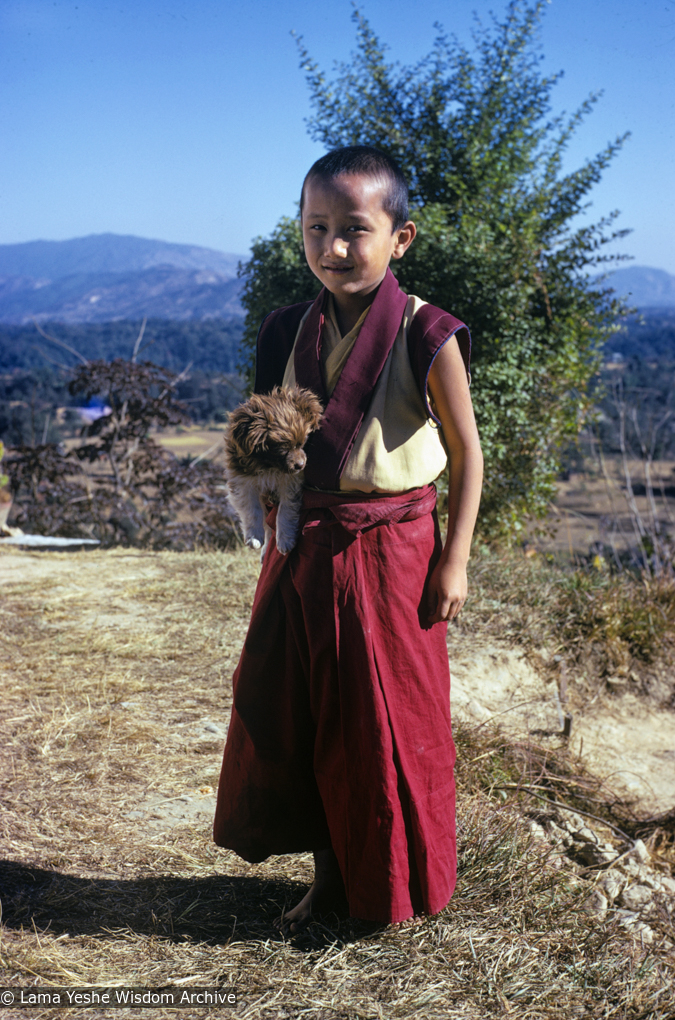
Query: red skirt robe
point(340, 732)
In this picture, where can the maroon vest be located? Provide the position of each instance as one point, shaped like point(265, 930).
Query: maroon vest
point(328, 449)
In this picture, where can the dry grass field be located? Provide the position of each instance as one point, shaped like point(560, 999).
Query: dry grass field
point(190, 440)
point(591, 507)
point(116, 687)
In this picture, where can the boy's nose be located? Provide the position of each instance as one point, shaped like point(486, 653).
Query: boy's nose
point(339, 247)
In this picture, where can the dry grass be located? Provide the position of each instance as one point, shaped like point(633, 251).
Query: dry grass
point(115, 665)
point(594, 624)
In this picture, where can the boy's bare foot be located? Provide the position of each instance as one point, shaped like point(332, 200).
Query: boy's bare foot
point(327, 890)
point(410, 922)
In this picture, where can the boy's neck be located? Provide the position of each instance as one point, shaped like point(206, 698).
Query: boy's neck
point(348, 310)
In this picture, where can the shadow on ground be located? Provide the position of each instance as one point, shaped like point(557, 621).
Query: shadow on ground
point(216, 909)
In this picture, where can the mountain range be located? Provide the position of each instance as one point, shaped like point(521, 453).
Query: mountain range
point(112, 277)
point(108, 253)
point(644, 287)
point(108, 277)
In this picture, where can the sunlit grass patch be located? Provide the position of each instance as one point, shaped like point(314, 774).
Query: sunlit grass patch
point(596, 623)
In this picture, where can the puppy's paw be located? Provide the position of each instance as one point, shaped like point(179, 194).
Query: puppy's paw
point(285, 544)
point(253, 543)
point(287, 532)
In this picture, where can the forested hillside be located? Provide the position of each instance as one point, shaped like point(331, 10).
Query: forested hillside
point(210, 346)
point(649, 336)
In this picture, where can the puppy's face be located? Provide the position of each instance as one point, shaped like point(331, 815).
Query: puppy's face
point(269, 431)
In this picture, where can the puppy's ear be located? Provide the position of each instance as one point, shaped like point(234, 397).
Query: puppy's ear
point(248, 425)
point(258, 432)
point(309, 405)
point(237, 425)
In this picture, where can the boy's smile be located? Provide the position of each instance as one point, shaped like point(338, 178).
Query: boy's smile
point(349, 240)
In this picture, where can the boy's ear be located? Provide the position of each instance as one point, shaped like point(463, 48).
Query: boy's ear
point(404, 237)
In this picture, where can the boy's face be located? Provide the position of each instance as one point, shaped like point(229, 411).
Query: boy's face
point(348, 236)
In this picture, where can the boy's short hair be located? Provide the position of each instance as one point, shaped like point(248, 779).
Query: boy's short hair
point(369, 161)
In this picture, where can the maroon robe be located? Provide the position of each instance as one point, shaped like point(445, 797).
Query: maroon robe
point(340, 732)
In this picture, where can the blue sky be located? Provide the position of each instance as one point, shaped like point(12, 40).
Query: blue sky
point(185, 120)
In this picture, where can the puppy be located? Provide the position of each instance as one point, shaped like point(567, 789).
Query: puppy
point(265, 461)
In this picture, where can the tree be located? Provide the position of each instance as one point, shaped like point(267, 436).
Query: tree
point(496, 245)
point(275, 275)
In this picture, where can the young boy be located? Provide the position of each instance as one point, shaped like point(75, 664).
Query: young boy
point(340, 739)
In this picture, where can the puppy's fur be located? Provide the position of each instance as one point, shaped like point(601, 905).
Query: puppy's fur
point(265, 461)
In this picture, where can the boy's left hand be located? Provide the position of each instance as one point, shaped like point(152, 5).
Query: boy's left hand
point(448, 589)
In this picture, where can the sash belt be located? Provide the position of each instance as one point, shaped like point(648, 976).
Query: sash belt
point(358, 512)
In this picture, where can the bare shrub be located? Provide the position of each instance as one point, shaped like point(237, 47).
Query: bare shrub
point(636, 426)
point(119, 485)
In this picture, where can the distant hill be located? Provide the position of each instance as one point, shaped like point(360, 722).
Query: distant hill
point(108, 253)
point(649, 335)
point(644, 286)
point(107, 277)
point(161, 292)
